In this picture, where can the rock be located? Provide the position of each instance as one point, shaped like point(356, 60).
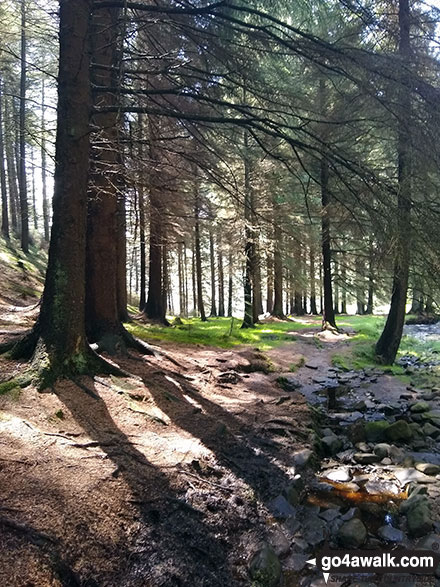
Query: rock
point(428, 468)
point(340, 475)
point(391, 534)
point(432, 416)
point(314, 529)
point(380, 486)
point(382, 450)
point(289, 383)
point(312, 365)
point(330, 514)
point(295, 562)
point(386, 461)
point(363, 447)
point(352, 534)
point(375, 431)
point(350, 514)
point(265, 568)
point(360, 406)
point(400, 430)
point(419, 407)
point(302, 457)
point(396, 454)
point(281, 508)
point(278, 541)
point(408, 475)
point(419, 519)
point(293, 495)
point(366, 458)
point(331, 444)
point(429, 542)
point(430, 430)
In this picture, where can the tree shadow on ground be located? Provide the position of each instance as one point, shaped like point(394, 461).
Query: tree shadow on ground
point(175, 545)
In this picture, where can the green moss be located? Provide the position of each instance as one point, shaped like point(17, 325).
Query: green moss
point(8, 386)
point(59, 414)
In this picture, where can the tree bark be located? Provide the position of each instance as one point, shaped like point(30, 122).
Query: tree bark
point(44, 166)
point(24, 209)
point(230, 282)
point(213, 312)
point(389, 341)
point(249, 246)
point(313, 308)
point(3, 189)
point(12, 170)
point(221, 277)
point(199, 277)
point(155, 308)
point(278, 263)
point(58, 341)
point(269, 282)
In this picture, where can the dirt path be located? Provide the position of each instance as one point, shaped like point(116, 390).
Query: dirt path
point(163, 479)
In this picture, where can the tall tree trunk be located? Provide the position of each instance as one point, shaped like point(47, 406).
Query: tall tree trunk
point(221, 277)
point(257, 302)
point(103, 325)
point(185, 274)
point(230, 282)
point(181, 277)
point(3, 189)
point(249, 247)
point(213, 312)
point(58, 339)
point(389, 341)
point(370, 301)
point(44, 166)
point(313, 308)
point(278, 262)
point(141, 204)
point(24, 211)
point(121, 256)
point(269, 282)
point(336, 278)
point(34, 200)
point(199, 277)
point(194, 277)
point(12, 170)
point(328, 314)
point(155, 308)
point(344, 285)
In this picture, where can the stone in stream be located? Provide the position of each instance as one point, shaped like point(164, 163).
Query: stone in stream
point(408, 475)
point(281, 508)
point(432, 416)
point(312, 365)
point(363, 447)
point(314, 529)
point(265, 568)
point(419, 407)
point(302, 457)
point(366, 458)
point(419, 519)
point(330, 514)
point(331, 444)
point(428, 468)
point(375, 431)
point(399, 430)
point(341, 475)
point(390, 534)
point(295, 562)
point(352, 534)
point(278, 540)
point(382, 450)
point(430, 430)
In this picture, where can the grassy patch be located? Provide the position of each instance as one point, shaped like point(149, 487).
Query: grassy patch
point(361, 352)
point(220, 332)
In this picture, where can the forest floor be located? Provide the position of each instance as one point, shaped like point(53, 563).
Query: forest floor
point(210, 466)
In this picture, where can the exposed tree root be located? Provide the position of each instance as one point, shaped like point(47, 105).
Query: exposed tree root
point(330, 327)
